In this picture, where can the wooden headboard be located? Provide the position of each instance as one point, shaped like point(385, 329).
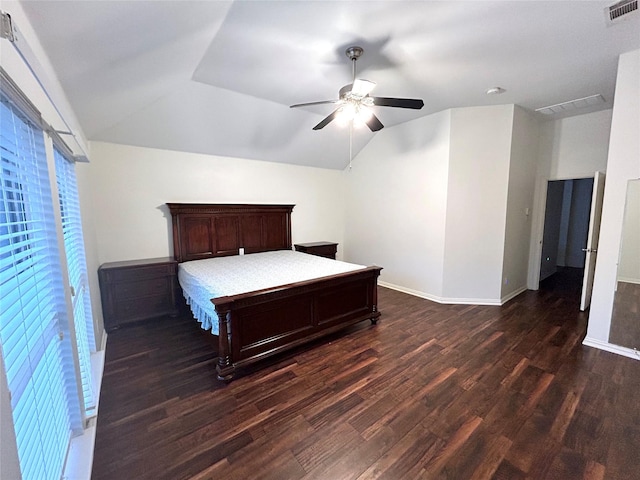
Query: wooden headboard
point(216, 230)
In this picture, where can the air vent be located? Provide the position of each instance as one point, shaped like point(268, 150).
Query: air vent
point(571, 105)
point(620, 11)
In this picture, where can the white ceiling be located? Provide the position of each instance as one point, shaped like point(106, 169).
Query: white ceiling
point(217, 77)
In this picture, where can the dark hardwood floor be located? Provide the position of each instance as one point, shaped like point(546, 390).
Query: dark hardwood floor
point(432, 391)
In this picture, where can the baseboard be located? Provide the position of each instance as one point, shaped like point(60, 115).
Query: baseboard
point(513, 295)
point(442, 300)
point(609, 347)
point(410, 291)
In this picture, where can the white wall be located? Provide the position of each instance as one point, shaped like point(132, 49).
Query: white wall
point(427, 201)
point(623, 164)
point(579, 145)
point(396, 204)
point(478, 181)
point(522, 174)
point(131, 185)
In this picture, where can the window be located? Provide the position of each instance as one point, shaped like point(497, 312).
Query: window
point(76, 266)
point(35, 340)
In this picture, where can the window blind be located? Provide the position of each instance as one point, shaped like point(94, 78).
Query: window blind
point(34, 338)
point(76, 266)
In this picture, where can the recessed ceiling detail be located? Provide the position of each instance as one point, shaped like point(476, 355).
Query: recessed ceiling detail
point(218, 77)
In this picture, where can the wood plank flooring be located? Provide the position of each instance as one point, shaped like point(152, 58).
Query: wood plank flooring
point(432, 391)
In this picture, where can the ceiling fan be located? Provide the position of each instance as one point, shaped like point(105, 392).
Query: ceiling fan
point(354, 101)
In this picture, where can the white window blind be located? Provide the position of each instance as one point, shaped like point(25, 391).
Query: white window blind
point(77, 268)
point(34, 338)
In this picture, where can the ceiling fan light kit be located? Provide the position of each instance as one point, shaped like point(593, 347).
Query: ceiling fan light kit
point(351, 112)
point(354, 102)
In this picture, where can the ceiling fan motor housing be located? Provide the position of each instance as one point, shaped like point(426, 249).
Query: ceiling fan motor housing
point(354, 52)
point(344, 90)
point(354, 98)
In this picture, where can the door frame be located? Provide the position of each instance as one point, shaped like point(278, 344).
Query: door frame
point(537, 233)
point(537, 226)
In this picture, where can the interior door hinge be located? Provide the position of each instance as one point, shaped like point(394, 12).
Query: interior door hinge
point(73, 291)
point(61, 335)
point(6, 27)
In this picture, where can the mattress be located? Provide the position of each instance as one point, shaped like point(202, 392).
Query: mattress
point(202, 280)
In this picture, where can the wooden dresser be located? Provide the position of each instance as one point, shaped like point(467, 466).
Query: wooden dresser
point(137, 290)
point(321, 249)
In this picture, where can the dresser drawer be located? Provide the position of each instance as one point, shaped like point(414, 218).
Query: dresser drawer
point(143, 308)
point(132, 274)
point(143, 288)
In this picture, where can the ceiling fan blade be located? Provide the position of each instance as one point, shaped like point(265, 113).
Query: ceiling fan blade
point(414, 103)
point(321, 102)
point(362, 88)
point(327, 120)
point(374, 123)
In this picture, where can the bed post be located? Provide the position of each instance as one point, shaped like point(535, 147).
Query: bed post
point(375, 314)
point(225, 368)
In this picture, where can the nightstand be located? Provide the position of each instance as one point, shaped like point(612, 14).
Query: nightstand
point(321, 249)
point(137, 290)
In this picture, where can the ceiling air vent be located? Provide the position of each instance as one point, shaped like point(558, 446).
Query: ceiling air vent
point(567, 107)
point(620, 11)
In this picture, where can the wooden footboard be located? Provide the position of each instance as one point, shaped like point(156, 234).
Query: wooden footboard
point(259, 324)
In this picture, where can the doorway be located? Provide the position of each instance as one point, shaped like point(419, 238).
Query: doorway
point(566, 228)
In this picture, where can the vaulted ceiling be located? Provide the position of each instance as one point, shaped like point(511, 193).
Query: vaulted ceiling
point(217, 77)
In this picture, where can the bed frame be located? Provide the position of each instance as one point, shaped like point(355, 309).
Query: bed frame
point(256, 325)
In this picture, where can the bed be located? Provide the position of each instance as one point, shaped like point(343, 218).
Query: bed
point(255, 324)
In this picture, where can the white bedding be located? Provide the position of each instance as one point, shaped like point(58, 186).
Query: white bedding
point(202, 280)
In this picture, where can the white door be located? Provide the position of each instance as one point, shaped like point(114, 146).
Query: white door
point(592, 240)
